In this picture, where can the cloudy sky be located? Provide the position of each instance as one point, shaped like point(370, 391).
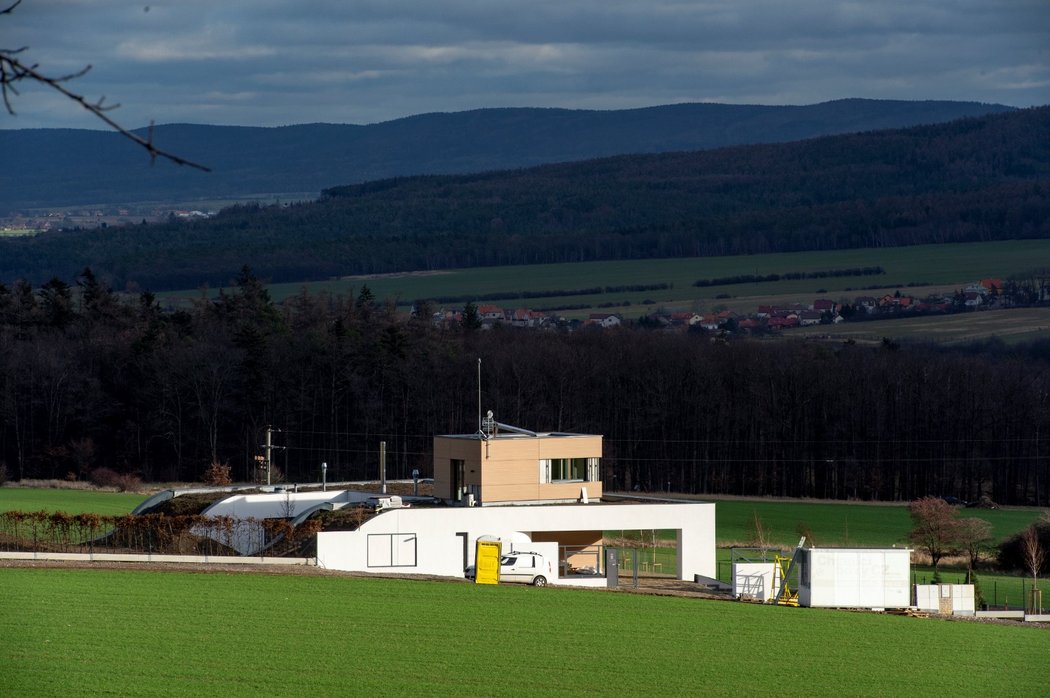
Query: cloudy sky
point(273, 62)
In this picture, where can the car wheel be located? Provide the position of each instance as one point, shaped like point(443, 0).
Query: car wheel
point(540, 581)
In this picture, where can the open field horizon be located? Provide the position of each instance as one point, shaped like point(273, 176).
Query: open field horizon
point(937, 268)
point(98, 631)
point(936, 265)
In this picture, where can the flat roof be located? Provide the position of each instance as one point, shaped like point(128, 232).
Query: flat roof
point(511, 435)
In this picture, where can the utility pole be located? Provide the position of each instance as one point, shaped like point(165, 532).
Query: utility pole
point(268, 449)
point(382, 466)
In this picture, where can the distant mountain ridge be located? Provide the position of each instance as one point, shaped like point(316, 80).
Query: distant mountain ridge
point(57, 167)
point(977, 179)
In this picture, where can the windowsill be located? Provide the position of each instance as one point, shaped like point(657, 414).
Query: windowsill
point(565, 482)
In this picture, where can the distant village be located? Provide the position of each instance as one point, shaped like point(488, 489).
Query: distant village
point(93, 217)
point(986, 294)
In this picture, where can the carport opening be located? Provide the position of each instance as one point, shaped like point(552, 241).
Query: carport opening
point(646, 552)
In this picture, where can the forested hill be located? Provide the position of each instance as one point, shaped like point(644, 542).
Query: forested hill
point(56, 167)
point(974, 179)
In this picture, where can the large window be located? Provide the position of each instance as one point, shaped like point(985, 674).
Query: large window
point(569, 470)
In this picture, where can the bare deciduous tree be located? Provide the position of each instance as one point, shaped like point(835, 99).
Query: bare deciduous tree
point(974, 536)
point(760, 535)
point(936, 529)
point(15, 69)
point(1033, 552)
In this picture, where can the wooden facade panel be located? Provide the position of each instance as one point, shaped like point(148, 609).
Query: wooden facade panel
point(511, 473)
point(510, 493)
point(507, 468)
point(571, 447)
point(464, 449)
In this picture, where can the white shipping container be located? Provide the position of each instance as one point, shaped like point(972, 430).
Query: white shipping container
point(855, 577)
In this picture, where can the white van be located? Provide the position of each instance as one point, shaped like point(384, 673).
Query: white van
point(526, 568)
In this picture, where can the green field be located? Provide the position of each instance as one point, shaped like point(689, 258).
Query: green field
point(949, 266)
point(842, 524)
point(1013, 325)
point(93, 632)
point(68, 500)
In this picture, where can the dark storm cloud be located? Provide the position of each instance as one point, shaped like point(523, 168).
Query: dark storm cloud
point(266, 62)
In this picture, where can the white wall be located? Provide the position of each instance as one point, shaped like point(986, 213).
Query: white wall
point(443, 538)
point(928, 598)
point(855, 578)
point(756, 580)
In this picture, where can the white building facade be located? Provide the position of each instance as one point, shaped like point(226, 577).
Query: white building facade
point(440, 540)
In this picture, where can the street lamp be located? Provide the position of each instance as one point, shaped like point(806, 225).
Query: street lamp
point(324, 477)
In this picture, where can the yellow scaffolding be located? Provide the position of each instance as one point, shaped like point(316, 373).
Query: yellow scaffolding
point(786, 596)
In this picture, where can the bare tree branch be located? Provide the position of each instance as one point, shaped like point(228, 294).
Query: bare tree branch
point(13, 70)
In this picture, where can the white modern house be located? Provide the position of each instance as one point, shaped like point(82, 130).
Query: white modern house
point(441, 540)
point(536, 492)
point(541, 490)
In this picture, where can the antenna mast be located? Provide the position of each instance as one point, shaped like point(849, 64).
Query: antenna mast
point(479, 395)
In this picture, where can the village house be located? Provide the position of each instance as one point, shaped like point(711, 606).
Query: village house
point(809, 317)
point(824, 305)
point(686, 318)
point(524, 317)
point(491, 313)
point(604, 319)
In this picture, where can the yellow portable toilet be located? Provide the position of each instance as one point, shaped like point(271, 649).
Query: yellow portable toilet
point(486, 561)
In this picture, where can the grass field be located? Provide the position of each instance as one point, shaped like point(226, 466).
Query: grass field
point(842, 524)
point(941, 265)
point(68, 500)
point(1010, 325)
point(93, 632)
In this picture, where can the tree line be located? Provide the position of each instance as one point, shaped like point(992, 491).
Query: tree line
point(788, 275)
point(971, 180)
point(90, 379)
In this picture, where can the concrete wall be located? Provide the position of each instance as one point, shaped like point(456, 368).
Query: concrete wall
point(953, 599)
point(440, 541)
point(855, 578)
